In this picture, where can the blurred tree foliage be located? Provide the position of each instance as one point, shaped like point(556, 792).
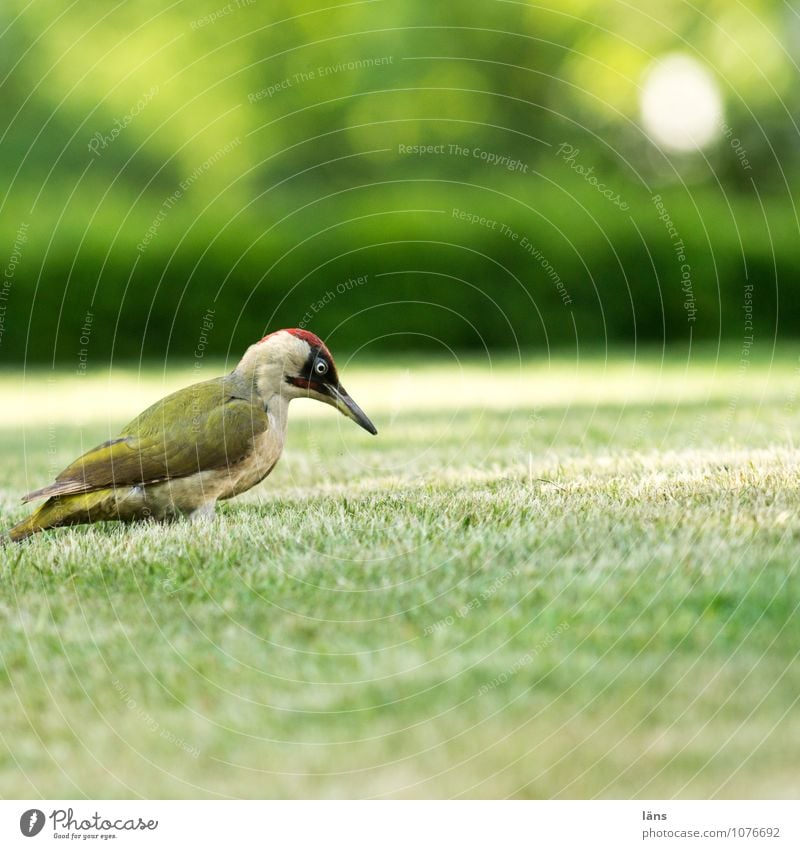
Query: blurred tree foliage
point(241, 162)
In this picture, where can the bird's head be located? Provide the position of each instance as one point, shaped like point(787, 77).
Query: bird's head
point(295, 363)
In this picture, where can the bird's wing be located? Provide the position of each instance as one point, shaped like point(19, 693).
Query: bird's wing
point(196, 429)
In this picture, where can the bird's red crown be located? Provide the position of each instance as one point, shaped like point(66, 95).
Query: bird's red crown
point(306, 335)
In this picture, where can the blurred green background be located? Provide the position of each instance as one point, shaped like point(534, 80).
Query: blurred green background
point(180, 178)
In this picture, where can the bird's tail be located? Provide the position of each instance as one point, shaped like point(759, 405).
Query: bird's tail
point(41, 519)
point(58, 511)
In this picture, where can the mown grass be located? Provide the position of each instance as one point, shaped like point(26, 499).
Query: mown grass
point(559, 580)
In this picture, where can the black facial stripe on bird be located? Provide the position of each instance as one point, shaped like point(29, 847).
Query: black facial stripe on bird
point(308, 369)
point(305, 383)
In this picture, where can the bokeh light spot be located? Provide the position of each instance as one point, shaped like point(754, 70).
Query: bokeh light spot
point(681, 105)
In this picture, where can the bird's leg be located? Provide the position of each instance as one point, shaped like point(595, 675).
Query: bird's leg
point(206, 511)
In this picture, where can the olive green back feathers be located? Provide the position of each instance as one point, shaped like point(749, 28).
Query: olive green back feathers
point(198, 428)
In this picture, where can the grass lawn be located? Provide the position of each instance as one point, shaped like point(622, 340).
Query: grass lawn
point(563, 579)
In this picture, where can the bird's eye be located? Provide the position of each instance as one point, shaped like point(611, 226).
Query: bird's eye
point(320, 367)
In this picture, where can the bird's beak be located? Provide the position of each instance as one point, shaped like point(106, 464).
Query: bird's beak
point(346, 405)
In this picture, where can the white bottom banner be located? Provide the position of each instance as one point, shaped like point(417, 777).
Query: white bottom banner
point(402, 824)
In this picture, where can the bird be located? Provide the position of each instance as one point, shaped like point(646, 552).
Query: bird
point(202, 444)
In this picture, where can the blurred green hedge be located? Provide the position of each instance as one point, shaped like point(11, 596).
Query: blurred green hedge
point(190, 177)
point(403, 263)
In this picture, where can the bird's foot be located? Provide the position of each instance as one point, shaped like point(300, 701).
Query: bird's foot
point(205, 512)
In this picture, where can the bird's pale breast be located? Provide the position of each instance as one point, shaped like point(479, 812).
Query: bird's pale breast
point(185, 495)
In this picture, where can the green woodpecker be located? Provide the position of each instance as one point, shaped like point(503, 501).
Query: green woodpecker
point(201, 444)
